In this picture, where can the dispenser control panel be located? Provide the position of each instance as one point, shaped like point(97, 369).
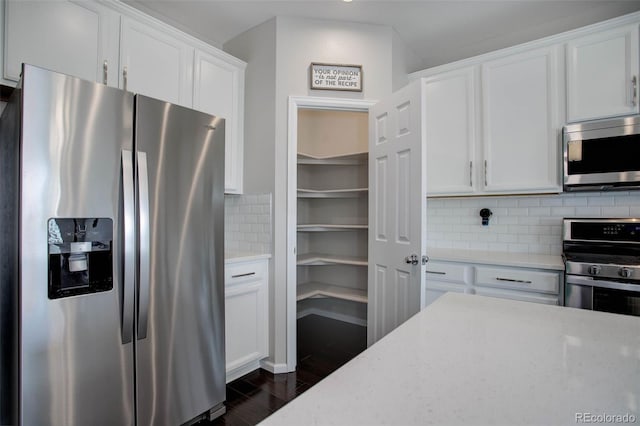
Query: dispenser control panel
point(80, 256)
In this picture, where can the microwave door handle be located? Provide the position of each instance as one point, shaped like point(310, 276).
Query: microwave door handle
point(572, 279)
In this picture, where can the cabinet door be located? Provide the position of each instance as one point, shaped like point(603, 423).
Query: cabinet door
point(74, 38)
point(246, 321)
point(450, 128)
point(218, 89)
point(155, 63)
point(602, 74)
point(521, 123)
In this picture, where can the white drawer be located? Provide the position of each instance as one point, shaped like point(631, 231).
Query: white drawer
point(518, 279)
point(445, 271)
point(242, 272)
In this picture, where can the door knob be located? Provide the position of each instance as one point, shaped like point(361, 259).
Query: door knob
point(412, 260)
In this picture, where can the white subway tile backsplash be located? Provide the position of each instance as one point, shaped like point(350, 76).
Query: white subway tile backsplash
point(589, 212)
point(247, 223)
point(619, 211)
point(526, 224)
point(529, 202)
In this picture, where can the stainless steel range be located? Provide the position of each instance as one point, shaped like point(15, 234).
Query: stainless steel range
point(602, 264)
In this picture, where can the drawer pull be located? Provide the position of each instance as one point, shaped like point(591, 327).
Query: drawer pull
point(511, 280)
point(243, 275)
point(436, 272)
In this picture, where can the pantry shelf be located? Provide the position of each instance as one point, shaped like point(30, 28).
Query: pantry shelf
point(351, 159)
point(317, 289)
point(332, 193)
point(330, 228)
point(320, 259)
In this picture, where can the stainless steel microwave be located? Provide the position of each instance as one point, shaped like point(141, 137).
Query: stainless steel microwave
point(602, 155)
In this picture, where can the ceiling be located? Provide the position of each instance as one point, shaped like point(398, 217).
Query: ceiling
point(437, 32)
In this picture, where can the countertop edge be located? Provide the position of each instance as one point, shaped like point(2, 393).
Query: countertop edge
point(244, 257)
point(520, 260)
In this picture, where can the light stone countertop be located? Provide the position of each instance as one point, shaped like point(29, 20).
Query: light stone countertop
point(473, 360)
point(521, 260)
point(235, 257)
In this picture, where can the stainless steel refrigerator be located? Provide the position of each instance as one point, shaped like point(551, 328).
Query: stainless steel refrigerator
point(111, 257)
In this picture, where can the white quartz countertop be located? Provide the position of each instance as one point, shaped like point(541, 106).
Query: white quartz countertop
point(473, 360)
point(522, 260)
point(235, 257)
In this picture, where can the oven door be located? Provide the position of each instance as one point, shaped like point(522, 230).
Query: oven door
point(600, 295)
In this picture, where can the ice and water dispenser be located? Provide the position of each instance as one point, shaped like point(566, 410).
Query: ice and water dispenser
point(80, 256)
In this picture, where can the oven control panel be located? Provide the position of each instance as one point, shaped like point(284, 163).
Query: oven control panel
point(612, 230)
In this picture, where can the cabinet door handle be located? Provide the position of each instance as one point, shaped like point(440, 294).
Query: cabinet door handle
point(634, 91)
point(243, 275)
point(471, 173)
point(436, 272)
point(105, 72)
point(511, 280)
point(124, 78)
point(485, 172)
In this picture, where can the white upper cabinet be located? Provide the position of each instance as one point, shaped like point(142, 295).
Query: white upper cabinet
point(155, 64)
point(521, 122)
point(451, 131)
point(111, 43)
point(602, 74)
point(518, 109)
point(75, 38)
point(218, 89)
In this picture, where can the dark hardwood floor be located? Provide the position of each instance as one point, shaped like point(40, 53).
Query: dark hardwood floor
point(323, 346)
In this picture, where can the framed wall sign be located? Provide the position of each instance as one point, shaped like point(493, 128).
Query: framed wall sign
point(336, 77)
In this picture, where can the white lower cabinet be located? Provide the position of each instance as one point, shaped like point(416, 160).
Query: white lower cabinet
point(246, 320)
point(525, 284)
point(518, 283)
point(443, 277)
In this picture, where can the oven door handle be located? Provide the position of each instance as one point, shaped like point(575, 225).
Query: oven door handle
point(573, 279)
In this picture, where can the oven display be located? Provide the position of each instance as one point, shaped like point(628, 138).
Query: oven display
point(603, 231)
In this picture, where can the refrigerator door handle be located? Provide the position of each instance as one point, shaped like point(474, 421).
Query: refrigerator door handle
point(128, 287)
point(144, 245)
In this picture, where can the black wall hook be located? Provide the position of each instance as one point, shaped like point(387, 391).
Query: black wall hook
point(485, 214)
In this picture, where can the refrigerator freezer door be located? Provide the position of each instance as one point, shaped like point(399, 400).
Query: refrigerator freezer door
point(74, 367)
point(180, 361)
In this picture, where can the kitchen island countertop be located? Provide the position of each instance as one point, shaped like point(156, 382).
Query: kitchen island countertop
point(473, 360)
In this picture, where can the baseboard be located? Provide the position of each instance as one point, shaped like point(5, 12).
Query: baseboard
point(242, 370)
point(275, 368)
point(333, 315)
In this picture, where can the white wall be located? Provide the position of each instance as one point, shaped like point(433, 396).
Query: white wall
point(525, 224)
point(257, 47)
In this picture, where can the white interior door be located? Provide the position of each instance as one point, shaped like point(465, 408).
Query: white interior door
point(397, 210)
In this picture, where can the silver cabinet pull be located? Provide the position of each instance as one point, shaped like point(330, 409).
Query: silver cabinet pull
point(124, 78)
point(485, 172)
point(471, 173)
point(511, 280)
point(105, 72)
point(436, 272)
point(243, 275)
point(634, 91)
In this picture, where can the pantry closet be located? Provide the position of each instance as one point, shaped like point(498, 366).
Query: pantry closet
point(331, 213)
